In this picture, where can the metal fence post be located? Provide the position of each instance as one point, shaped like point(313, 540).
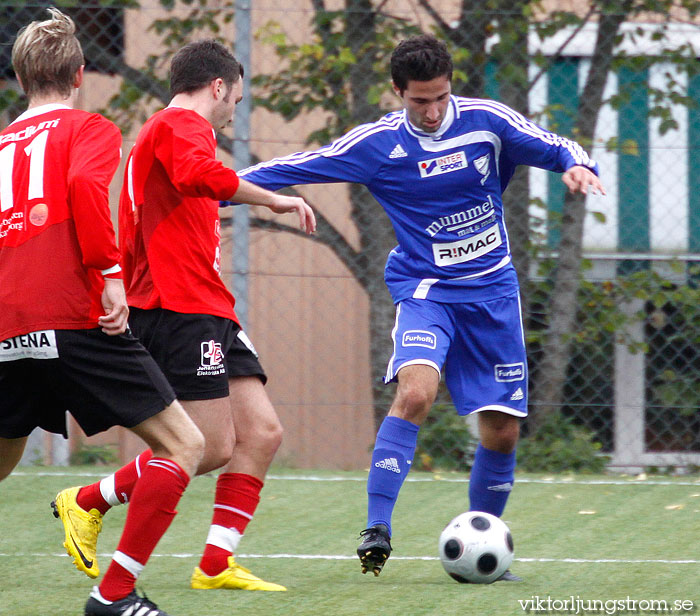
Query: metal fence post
point(241, 159)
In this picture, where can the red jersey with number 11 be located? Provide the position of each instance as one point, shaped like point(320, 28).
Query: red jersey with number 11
point(56, 235)
point(169, 227)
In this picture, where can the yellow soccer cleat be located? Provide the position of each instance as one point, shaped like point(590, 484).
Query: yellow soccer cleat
point(234, 577)
point(81, 528)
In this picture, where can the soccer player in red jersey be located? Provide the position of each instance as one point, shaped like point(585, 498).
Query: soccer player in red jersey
point(182, 311)
point(64, 342)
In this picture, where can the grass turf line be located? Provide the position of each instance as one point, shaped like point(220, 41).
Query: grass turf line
point(640, 522)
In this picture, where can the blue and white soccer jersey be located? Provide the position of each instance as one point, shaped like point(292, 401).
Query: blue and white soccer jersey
point(480, 344)
point(443, 193)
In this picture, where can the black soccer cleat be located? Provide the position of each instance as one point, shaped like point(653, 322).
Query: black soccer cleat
point(375, 548)
point(131, 605)
point(508, 576)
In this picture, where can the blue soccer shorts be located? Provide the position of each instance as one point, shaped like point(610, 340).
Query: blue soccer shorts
point(481, 346)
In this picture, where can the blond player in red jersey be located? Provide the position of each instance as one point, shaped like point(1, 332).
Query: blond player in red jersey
point(184, 314)
point(63, 325)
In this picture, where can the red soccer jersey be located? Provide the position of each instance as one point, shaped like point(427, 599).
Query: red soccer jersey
point(56, 235)
point(169, 228)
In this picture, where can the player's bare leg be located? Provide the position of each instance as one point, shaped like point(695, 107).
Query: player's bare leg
point(258, 436)
point(11, 450)
point(258, 429)
point(498, 431)
point(171, 434)
point(213, 418)
point(391, 460)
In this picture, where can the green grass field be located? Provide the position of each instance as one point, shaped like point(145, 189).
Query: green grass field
point(593, 538)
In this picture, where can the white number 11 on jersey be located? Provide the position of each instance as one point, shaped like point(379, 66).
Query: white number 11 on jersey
point(36, 150)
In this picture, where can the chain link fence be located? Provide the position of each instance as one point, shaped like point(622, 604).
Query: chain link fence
point(610, 285)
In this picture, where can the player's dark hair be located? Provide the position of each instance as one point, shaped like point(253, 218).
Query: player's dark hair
point(196, 64)
point(420, 58)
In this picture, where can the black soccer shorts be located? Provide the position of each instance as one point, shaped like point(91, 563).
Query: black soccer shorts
point(198, 353)
point(102, 380)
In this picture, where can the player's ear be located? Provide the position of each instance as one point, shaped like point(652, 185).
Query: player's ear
point(78, 79)
point(218, 88)
point(396, 89)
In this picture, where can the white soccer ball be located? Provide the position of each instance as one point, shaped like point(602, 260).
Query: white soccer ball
point(476, 547)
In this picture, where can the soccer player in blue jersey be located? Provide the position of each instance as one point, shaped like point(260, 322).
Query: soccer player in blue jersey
point(439, 168)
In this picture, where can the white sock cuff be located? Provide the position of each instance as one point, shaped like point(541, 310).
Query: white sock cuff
point(109, 492)
point(240, 512)
point(137, 464)
point(96, 594)
point(131, 565)
point(224, 538)
point(168, 465)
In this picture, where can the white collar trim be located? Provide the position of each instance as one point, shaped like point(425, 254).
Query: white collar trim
point(447, 121)
point(31, 113)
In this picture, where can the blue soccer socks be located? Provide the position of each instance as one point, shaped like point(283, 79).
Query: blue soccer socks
point(391, 461)
point(491, 480)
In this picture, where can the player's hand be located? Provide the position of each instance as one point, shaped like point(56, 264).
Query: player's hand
point(283, 204)
point(580, 179)
point(115, 321)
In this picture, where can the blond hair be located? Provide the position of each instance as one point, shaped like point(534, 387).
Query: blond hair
point(47, 55)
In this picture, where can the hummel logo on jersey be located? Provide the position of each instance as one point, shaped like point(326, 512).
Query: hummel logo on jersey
point(390, 464)
point(501, 487)
point(398, 152)
point(518, 394)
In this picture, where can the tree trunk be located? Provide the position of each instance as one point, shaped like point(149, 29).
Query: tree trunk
point(513, 91)
point(376, 240)
point(376, 234)
point(471, 34)
point(551, 374)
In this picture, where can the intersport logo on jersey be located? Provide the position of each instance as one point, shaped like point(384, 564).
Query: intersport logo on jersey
point(442, 164)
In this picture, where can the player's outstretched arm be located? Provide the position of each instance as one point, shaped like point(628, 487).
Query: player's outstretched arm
point(579, 179)
point(115, 319)
point(279, 204)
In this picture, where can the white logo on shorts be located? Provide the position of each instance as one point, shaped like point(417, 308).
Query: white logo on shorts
point(212, 359)
point(243, 337)
point(506, 373)
point(417, 337)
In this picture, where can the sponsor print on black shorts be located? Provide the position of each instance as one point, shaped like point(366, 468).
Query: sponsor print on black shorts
point(34, 345)
point(211, 359)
